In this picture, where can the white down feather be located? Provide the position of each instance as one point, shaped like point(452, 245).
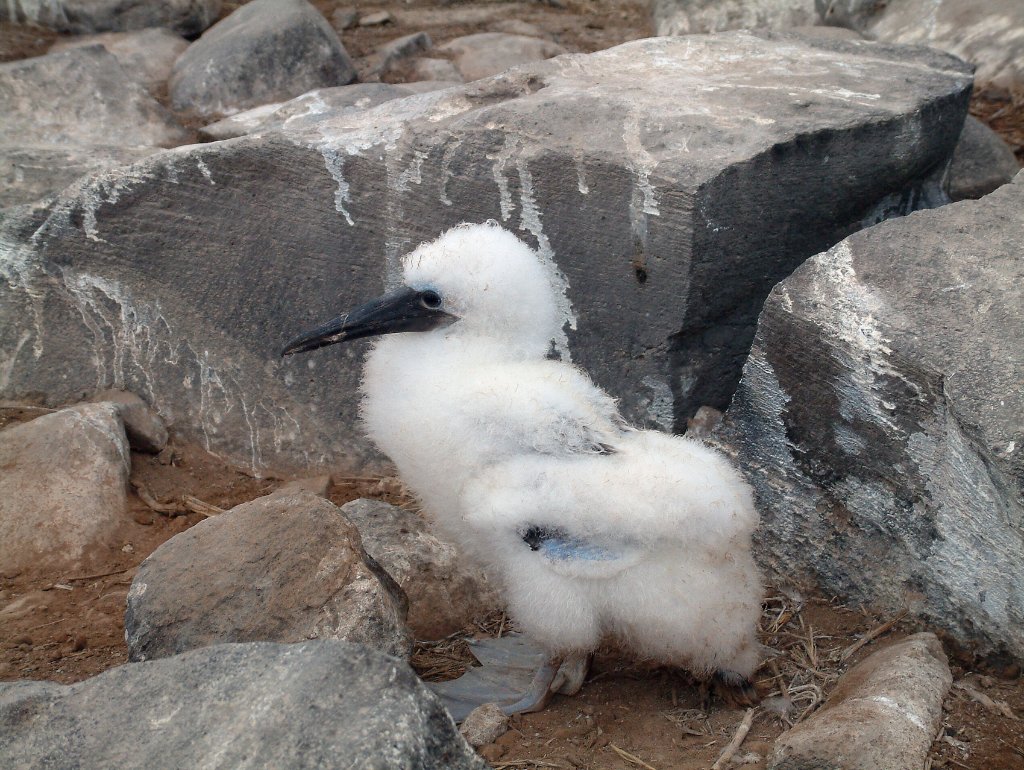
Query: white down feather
point(494, 439)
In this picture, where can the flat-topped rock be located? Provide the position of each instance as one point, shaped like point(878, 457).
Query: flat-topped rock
point(664, 221)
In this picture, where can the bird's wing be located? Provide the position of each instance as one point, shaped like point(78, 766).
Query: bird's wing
point(573, 555)
point(544, 407)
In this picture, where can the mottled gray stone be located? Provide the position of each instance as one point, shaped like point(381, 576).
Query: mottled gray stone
point(686, 17)
point(266, 51)
point(883, 713)
point(880, 419)
point(666, 223)
point(445, 592)
point(395, 54)
point(485, 724)
point(488, 53)
point(147, 55)
point(981, 162)
point(989, 35)
point(145, 430)
point(71, 113)
point(63, 488)
point(321, 704)
point(188, 17)
point(277, 569)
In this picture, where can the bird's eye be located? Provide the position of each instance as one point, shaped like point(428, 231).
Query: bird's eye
point(430, 299)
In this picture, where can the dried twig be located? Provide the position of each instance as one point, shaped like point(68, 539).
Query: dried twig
point(997, 706)
point(737, 740)
point(196, 505)
point(631, 758)
point(870, 636)
point(96, 577)
point(171, 509)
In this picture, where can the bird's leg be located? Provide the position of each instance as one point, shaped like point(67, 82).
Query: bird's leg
point(539, 692)
point(736, 689)
point(571, 673)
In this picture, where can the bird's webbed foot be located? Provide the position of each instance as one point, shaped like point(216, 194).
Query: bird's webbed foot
point(735, 690)
point(571, 673)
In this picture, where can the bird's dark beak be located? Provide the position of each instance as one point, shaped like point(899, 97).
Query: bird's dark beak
point(404, 310)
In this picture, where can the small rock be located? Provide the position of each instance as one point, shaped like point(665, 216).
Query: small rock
point(981, 162)
point(884, 713)
point(393, 55)
point(426, 68)
point(309, 705)
point(485, 724)
point(79, 643)
point(492, 753)
point(376, 19)
point(488, 53)
point(266, 51)
point(344, 18)
point(703, 423)
point(315, 485)
point(281, 569)
point(444, 594)
point(145, 519)
point(146, 431)
point(147, 55)
point(63, 495)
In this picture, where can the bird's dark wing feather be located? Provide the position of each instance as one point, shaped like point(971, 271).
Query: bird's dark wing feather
point(576, 556)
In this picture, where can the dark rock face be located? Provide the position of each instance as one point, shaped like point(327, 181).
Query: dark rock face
point(277, 569)
point(71, 113)
point(880, 419)
point(188, 17)
point(981, 163)
point(667, 225)
point(884, 712)
point(266, 51)
point(310, 705)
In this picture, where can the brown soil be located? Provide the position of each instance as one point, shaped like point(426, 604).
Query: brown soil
point(68, 627)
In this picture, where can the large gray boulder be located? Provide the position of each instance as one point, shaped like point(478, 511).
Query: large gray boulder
point(883, 713)
point(445, 592)
point(687, 17)
point(320, 704)
point(277, 569)
point(147, 55)
point(881, 420)
point(665, 221)
point(70, 113)
point(63, 489)
point(188, 17)
point(989, 35)
point(266, 51)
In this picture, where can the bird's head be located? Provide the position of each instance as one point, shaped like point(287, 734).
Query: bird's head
point(473, 281)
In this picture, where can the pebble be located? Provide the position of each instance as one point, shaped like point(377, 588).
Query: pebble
point(376, 19)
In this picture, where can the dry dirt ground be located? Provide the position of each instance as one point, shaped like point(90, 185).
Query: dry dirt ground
point(68, 627)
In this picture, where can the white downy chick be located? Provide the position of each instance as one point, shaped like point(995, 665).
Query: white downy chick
point(592, 528)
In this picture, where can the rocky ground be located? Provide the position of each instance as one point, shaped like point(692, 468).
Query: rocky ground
point(67, 627)
point(794, 205)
